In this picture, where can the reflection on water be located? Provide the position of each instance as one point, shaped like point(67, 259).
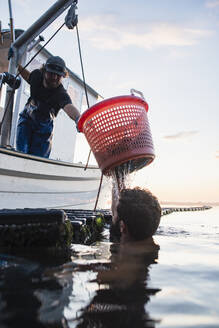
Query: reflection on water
point(106, 285)
point(120, 300)
point(101, 286)
point(30, 297)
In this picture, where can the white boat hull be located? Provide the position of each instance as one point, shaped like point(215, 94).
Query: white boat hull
point(28, 181)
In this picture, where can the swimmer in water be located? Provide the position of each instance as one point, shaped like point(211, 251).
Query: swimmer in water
point(136, 215)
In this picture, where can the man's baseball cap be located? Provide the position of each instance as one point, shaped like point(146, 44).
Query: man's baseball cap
point(56, 64)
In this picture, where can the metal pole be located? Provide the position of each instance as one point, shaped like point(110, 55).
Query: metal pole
point(1, 42)
point(42, 23)
point(11, 21)
point(16, 106)
point(9, 102)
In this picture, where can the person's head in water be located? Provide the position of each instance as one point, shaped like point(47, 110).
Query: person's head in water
point(54, 71)
point(138, 214)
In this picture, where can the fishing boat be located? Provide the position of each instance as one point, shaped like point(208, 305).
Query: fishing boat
point(28, 181)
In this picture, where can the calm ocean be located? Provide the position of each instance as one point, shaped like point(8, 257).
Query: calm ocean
point(107, 285)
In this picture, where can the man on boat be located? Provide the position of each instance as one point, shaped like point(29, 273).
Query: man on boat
point(136, 216)
point(47, 97)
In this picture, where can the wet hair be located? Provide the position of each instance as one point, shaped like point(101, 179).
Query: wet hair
point(140, 211)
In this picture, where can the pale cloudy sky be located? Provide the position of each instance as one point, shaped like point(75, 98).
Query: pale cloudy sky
point(168, 49)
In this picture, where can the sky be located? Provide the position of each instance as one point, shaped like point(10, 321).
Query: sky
point(167, 49)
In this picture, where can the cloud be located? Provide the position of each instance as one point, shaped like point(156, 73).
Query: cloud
point(212, 4)
point(181, 135)
point(107, 33)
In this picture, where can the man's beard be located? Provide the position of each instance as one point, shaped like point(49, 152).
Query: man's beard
point(52, 84)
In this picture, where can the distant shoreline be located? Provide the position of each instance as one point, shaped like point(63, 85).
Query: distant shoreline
point(190, 203)
point(169, 210)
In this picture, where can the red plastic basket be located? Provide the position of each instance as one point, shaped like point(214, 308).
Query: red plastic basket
point(117, 130)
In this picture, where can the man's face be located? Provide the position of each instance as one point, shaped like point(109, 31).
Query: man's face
point(52, 80)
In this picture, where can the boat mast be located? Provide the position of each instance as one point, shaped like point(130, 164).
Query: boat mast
point(18, 48)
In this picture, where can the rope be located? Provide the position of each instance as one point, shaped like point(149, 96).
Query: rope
point(40, 49)
point(84, 82)
point(98, 194)
point(82, 66)
point(88, 158)
point(86, 94)
point(13, 89)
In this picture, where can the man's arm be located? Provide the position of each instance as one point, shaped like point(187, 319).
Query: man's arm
point(24, 73)
point(72, 112)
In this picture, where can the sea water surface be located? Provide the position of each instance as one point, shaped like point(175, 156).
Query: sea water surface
point(175, 284)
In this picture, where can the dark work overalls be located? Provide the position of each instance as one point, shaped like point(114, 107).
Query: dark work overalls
point(35, 124)
point(34, 136)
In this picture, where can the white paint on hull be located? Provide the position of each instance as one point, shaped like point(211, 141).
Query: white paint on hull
point(33, 182)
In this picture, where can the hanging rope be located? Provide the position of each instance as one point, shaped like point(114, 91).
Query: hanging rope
point(13, 89)
point(82, 66)
point(85, 85)
point(86, 94)
point(98, 194)
point(37, 53)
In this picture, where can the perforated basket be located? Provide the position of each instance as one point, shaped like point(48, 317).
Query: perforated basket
point(117, 130)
